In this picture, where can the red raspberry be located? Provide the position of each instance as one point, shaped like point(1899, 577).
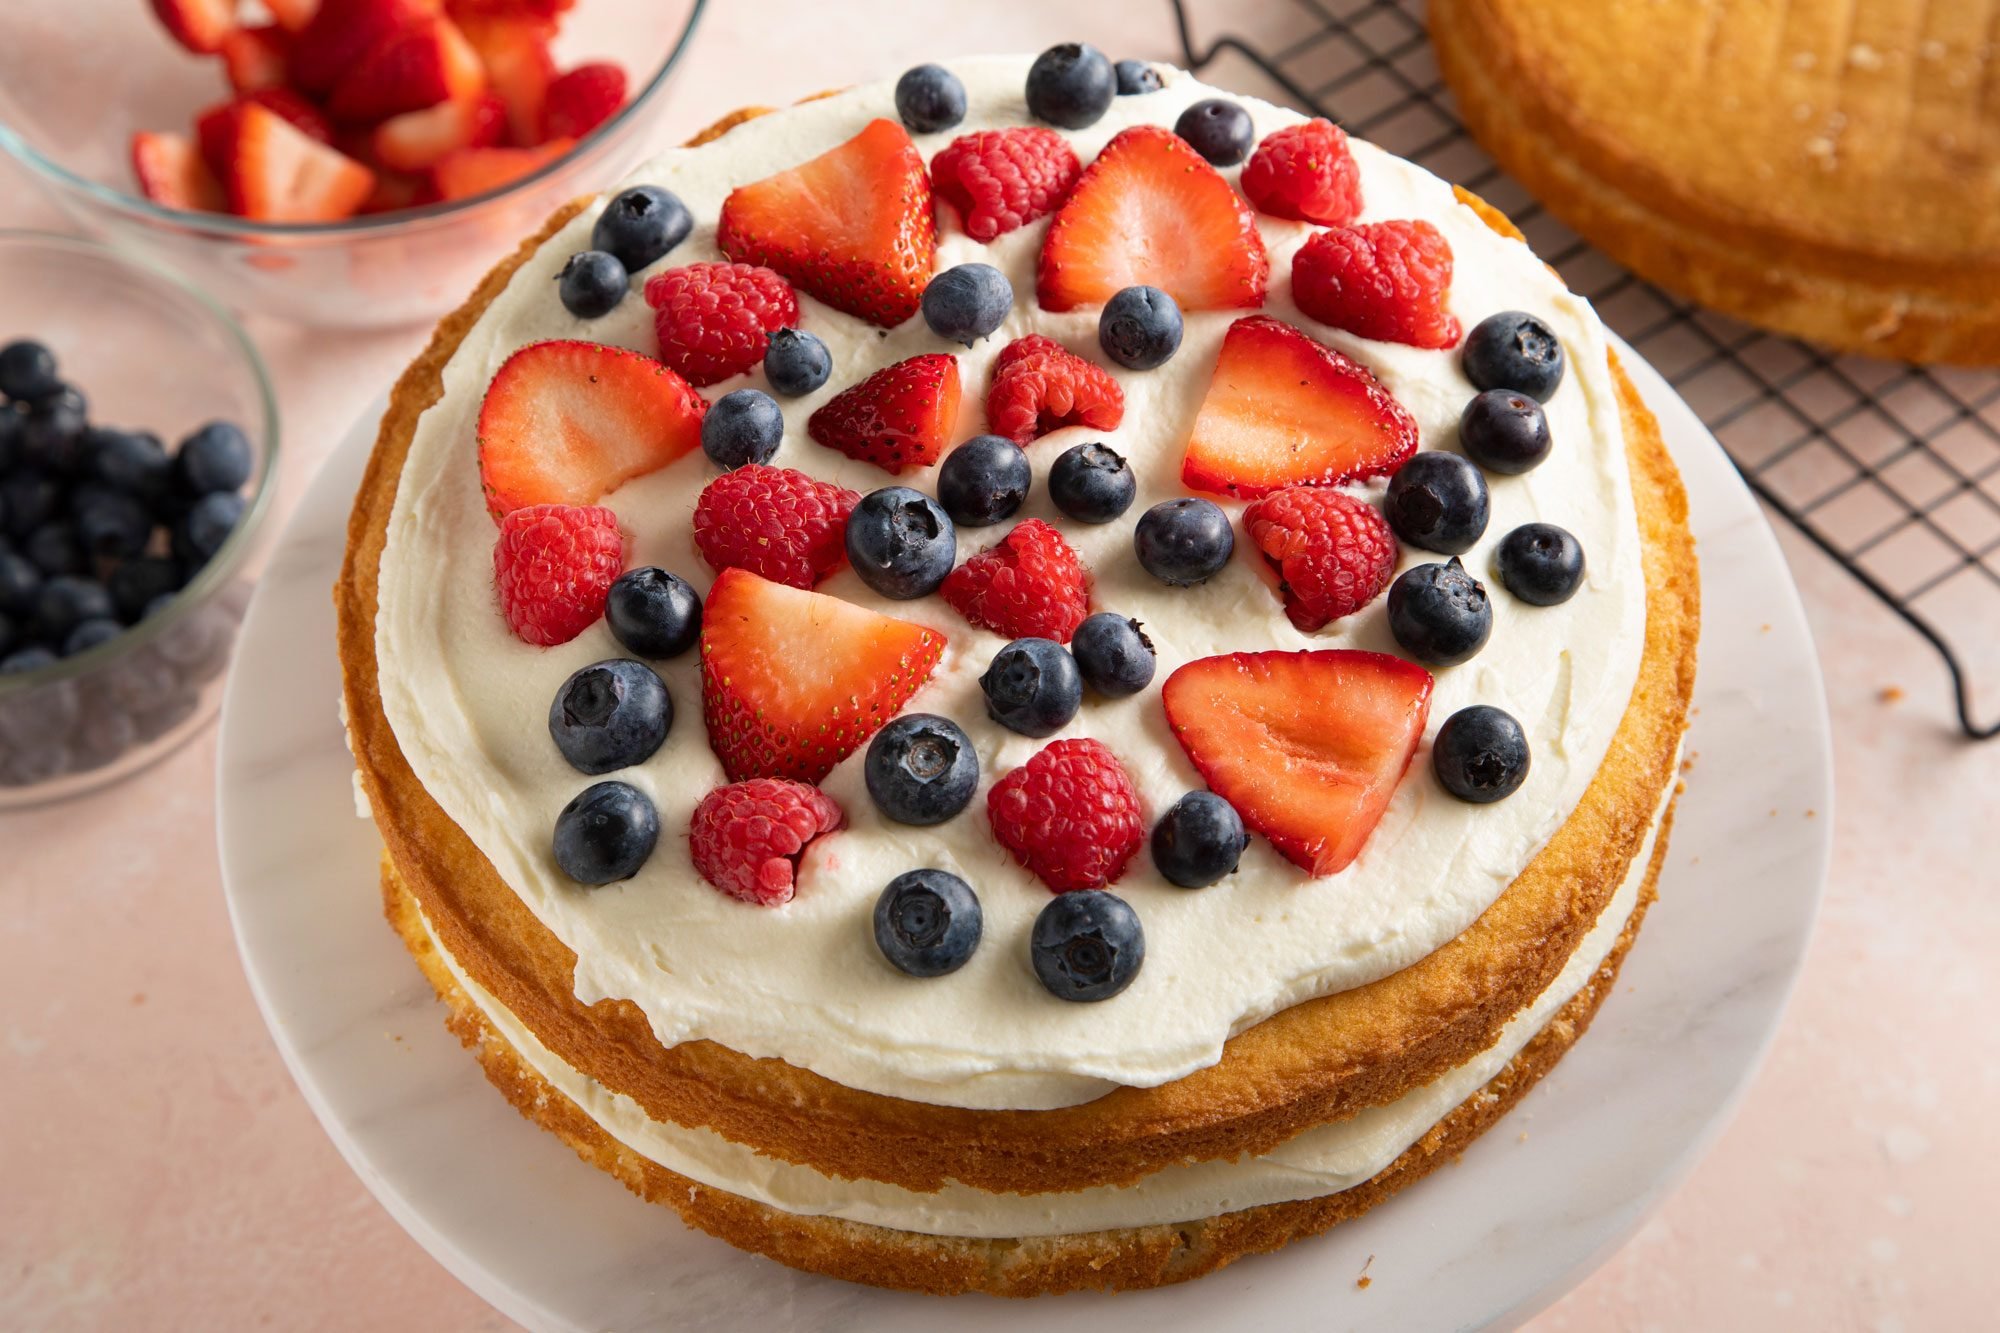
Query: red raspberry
point(1070, 814)
point(1383, 280)
point(747, 838)
point(1039, 386)
point(1030, 585)
point(1333, 553)
point(714, 320)
point(1002, 179)
point(554, 566)
point(775, 522)
point(1305, 172)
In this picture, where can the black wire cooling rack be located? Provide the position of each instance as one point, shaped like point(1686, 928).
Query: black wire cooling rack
point(1892, 470)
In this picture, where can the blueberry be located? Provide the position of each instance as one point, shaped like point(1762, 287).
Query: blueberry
point(113, 525)
point(1439, 613)
point(1481, 754)
point(31, 499)
point(20, 580)
point(1437, 501)
point(1140, 328)
point(1183, 541)
point(11, 426)
point(66, 601)
point(31, 658)
point(606, 833)
point(927, 922)
point(967, 302)
point(208, 524)
point(1504, 431)
point(1198, 840)
point(1092, 483)
point(130, 461)
point(1136, 77)
point(592, 283)
point(1218, 129)
point(56, 549)
point(1087, 945)
point(921, 769)
point(930, 98)
point(52, 429)
point(135, 583)
point(640, 226)
point(1540, 563)
point(216, 457)
point(745, 426)
point(10, 637)
point(1071, 85)
point(1513, 350)
point(1033, 687)
point(984, 480)
point(1114, 654)
point(653, 613)
point(28, 372)
point(901, 542)
point(610, 715)
point(796, 362)
point(89, 634)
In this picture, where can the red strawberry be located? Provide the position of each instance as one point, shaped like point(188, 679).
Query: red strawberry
point(254, 58)
point(896, 418)
point(852, 227)
point(1031, 585)
point(423, 64)
point(792, 682)
point(396, 190)
point(470, 171)
point(199, 25)
point(714, 320)
point(1332, 553)
point(747, 838)
point(515, 51)
point(567, 422)
point(301, 113)
point(419, 140)
point(1151, 210)
point(1041, 386)
point(1307, 173)
point(218, 128)
point(1002, 179)
point(172, 174)
point(1070, 815)
point(1283, 410)
point(341, 32)
point(1308, 747)
point(274, 172)
point(293, 15)
point(1382, 280)
point(774, 522)
point(554, 566)
point(582, 99)
point(541, 10)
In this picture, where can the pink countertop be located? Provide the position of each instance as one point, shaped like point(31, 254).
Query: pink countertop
point(159, 1170)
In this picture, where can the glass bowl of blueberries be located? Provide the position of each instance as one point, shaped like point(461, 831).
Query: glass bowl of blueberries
point(138, 443)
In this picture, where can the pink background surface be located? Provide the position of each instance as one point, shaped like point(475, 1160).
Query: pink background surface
point(159, 1170)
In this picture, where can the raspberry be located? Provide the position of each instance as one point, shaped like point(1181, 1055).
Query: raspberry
point(746, 838)
point(1002, 179)
point(1333, 553)
point(553, 567)
point(1305, 172)
point(1039, 386)
point(775, 522)
point(714, 320)
point(1070, 814)
point(1383, 280)
point(1030, 585)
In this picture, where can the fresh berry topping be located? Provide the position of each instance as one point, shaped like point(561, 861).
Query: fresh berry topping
point(927, 923)
point(921, 769)
point(641, 225)
point(714, 320)
point(653, 613)
point(514, 47)
point(1031, 585)
point(207, 526)
point(1504, 431)
point(1440, 614)
point(967, 302)
point(897, 418)
point(1514, 350)
point(746, 839)
point(419, 140)
point(1140, 328)
point(1333, 554)
point(929, 98)
point(1199, 840)
point(474, 171)
point(1002, 179)
point(201, 26)
point(567, 422)
point(275, 172)
point(984, 481)
point(1092, 483)
point(420, 65)
point(1032, 687)
point(606, 834)
point(67, 601)
point(1284, 410)
point(553, 566)
point(214, 457)
point(1087, 946)
point(611, 715)
point(582, 99)
point(796, 363)
point(793, 682)
point(1041, 386)
point(1071, 85)
point(171, 173)
point(1308, 747)
point(28, 372)
point(1383, 280)
point(592, 283)
point(1306, 173)
point(1481, 755)
point(1136, 78)
point(1540, 563)
point(852, 227)
point(1070, 815)
point(1183, 542)
point(742, 428)
point(54, 549)
point(1438, 501)
point(110, 525)
point(1114, 655)
point(1218, 129)
point(1150, 212)
point(342, 32)
point(774, 522)
point(900, 542)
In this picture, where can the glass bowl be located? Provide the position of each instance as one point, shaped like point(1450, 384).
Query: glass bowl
point(78, 78)
point(151, 353)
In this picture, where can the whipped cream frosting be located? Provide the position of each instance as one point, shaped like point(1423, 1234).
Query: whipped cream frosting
point(804, 983)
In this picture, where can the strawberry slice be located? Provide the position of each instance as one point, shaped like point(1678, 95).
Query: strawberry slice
point(792, 681)
point(544, 10)
point(172, 174)
point(341, 32)
point(199, 25)
point(899, 417)
point(1308, 747)
point(471, 171)
point(419, 140)
point(397, 190)
point(1151, 210)
point(275, 172)
point(515, 50)
point(853, 227)
point(217, 128)
point(254, 58)
point(424, 64)
point(567, 422)
point(582, 99)
point(1284, 410)
point(293, 15)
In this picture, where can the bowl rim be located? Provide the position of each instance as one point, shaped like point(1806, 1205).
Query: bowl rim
point(228, 225)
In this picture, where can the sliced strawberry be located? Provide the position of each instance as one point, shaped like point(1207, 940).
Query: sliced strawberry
point(341, 32)
point(899, 417)
point(546, 11)
point(199, 25)
point(1150, 210)
point(515, 51)
point(397, 190)
point(172, 174)
point(424, 64)
point(254, 58)
point(582, 99)
point(293, 15)
point(792, 682)
point(218, 128)
point(1284, 410)
point(1308, 747)
point(303, 115)
point(567, 422)
point(419, 140)
point(853, 227)
point(471, 171)
point(277, 173)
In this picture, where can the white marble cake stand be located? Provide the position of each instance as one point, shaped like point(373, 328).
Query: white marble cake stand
point(1531, 1208)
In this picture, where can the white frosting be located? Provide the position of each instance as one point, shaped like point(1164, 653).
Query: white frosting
point(804, 983)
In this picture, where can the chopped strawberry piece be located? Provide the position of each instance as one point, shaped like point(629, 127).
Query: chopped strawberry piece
point(1308, 747)
point(202, 26)
point(1070, 815)
point(1307, 173)
point(1041, 386)
point(420, 66)
point(294, 15)
point(553, 567)
point(715, 320)
point(515, 51)
point(1030, 585)
point(397, 190)
point(545, 11)
point(419, 140)
point(1002, 179)
point(899, 417)
point(1383, 280)
point(1284, 410)
point(172, 174)
point(274, 172)
point(1333, 554)
point(746, 839)
point(582, 99)
point(1150, 210)
point(254, 58)
point(217, 128)
point(775, 522)
point(341, 32)
point(471, 171)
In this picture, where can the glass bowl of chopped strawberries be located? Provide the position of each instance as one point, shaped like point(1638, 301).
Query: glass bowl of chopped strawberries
point(345, 163)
